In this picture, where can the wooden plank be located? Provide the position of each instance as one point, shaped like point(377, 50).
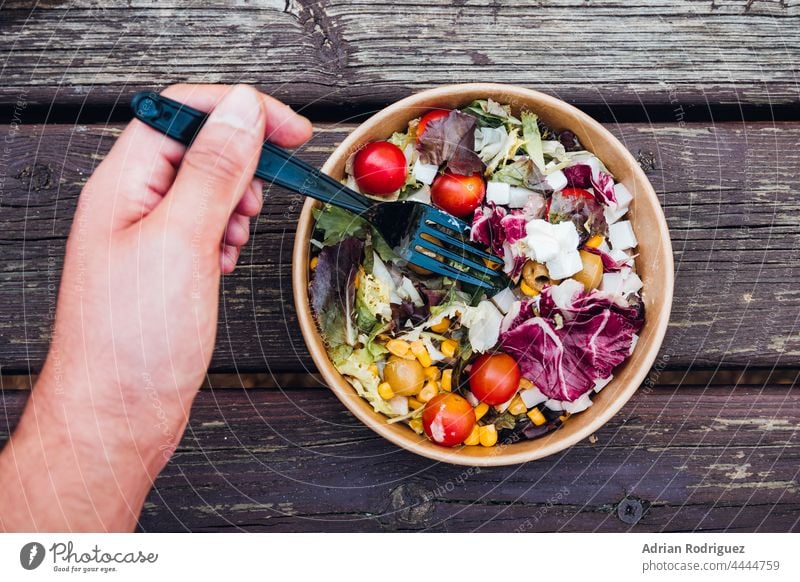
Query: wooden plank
point(731, 208)
point(710, 459)
point(366, 54)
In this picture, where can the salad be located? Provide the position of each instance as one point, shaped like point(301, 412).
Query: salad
point(449, 361)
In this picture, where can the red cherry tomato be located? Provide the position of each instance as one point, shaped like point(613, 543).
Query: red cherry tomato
point(428, 117)
point(459, 195)
point(494, 378)
point(448, 419)
point(577, 192)
point(380, 168)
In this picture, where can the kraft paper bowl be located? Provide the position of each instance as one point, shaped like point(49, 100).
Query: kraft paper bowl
point(654, 266)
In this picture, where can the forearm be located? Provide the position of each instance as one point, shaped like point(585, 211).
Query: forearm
point(78, 466)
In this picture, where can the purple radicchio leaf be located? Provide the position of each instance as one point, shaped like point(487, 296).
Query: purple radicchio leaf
point(332, 290)
point(609, 264)
point(451, 140)
point(604, 189)
point(579, 176)
point(565, 349)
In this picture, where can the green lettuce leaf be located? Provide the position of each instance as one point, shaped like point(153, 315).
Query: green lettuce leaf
point(365, 382)
point(337, 224)
point(533, 138)
point(491, 114)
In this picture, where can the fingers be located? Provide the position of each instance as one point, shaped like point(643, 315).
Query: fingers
point(253, 200)
point(218, 167)
point(228, 258)
point(141, 166)
point(284, 127)
point(238, 230)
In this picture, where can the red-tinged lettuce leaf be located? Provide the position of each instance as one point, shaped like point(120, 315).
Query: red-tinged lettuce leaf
point(586, 213)
point(332, 291)
point(609, 264)
point(451, 140)
point(604, 189)
point(565, 349)
point(579, 176)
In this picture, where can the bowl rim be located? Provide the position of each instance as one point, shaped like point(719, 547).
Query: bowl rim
point(344, 390)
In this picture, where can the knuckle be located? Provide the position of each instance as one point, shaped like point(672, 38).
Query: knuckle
point(217, 158)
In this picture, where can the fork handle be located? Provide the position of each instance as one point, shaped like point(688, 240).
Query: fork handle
point(275, 165)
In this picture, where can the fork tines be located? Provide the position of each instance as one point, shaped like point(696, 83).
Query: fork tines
point(440, 242)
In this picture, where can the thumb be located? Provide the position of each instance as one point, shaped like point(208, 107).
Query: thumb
point(218, 167)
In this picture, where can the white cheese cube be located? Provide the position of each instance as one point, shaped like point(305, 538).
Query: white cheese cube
point(632, 283)
point(617, 210)
point(620, 256)
point(556, 181)
point(621, 236)
point(565, 265)
point(613, 213)
point(567, 235)
point(532, 397)
point(623, 196)
point(578, 405)
point(425, 173)
point(505, 300)
point(612, 282)
point(554, 404)
point(497, 192)
point(518, 197)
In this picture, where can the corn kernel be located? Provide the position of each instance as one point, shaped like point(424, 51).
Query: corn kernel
point(474, 437)
point(563, 417)
point(385, 391)
point(357, 281)
point(413, 403)
point(313, 263)
point(536, 416)
point(491, 264)
point(488, 435)
point(416, 425)
point(481, 410)
point(449, 348)
point(419, 350)
point(595, 241)
point(432, 373)
point(428, 391)
point(517, 406)
point(447, 380)
point(398, 347)
point(374, 370)
point(525, 384)
point(527, 289)
point(442, 326)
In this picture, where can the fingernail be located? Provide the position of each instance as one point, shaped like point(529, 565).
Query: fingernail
point(241, 108)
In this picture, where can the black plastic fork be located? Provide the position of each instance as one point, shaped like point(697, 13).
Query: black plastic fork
point(422, 234)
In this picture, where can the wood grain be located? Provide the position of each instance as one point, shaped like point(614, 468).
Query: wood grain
point(366, 54)
point(730, 194)
point(692, 459)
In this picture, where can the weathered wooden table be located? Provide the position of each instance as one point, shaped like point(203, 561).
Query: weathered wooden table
point(705, 93)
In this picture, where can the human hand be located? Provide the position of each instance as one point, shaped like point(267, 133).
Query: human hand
point(137, 309)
